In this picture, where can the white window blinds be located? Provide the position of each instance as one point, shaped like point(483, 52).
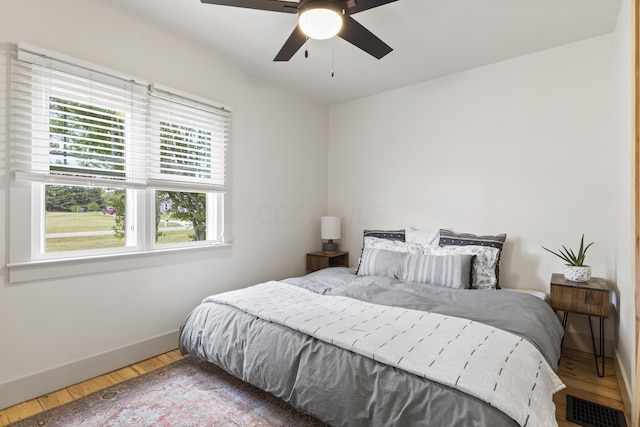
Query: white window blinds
point(72, 123)
point(187, 141)
point(79, 124)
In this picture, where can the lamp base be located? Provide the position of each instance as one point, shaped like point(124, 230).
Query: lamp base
point(330, 246)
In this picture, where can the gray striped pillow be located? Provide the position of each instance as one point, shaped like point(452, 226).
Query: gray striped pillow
point(381, 262)
point(452, 271)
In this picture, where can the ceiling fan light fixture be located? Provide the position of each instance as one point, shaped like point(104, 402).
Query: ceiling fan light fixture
point(320, 19)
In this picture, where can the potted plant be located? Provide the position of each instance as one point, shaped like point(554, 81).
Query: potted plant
point(575, 270)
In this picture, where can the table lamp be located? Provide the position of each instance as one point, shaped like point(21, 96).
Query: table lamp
point(330, 230)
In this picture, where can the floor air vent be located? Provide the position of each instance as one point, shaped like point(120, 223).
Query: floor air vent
point(590, 414)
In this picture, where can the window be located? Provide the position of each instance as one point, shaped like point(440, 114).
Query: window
point(187, 162)
point(105, 163)
point(83, 218)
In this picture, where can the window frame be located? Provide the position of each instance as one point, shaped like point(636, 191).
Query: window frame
point(27, 257)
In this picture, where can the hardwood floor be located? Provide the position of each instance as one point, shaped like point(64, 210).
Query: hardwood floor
point(577, 371)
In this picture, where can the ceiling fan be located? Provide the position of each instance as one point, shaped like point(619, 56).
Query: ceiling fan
point(320, 19)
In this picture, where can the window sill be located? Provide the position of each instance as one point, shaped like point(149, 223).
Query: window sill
point(80, 266)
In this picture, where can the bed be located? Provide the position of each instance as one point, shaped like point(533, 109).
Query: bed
point(367, 347)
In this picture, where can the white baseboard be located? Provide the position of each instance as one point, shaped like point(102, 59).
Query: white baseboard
point(625, 388)
point(32, 386)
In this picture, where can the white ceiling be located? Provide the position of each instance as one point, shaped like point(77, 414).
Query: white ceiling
point(430, 38)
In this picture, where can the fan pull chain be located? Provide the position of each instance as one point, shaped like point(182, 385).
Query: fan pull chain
point(332, 72)
point(306, 50)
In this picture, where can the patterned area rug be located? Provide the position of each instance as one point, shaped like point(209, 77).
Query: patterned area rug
point(188, 392)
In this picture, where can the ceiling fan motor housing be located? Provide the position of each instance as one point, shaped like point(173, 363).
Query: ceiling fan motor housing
point(336, 5)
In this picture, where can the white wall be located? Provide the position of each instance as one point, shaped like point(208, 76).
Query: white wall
point(527, 147)
point(56, 332)
point(521, 147)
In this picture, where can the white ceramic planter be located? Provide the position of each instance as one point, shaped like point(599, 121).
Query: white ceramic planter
point(577, 274)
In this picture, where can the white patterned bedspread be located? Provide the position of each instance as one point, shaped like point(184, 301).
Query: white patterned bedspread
point(493, 365)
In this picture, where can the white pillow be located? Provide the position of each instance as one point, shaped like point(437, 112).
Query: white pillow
point(484, 264)
point(424, 237)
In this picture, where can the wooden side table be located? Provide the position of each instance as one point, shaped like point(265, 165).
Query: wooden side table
point(590, 298)
point(319, 260)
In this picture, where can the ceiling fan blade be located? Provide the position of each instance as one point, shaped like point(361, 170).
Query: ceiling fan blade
point(353, 32)
point(355, 6)
point(271, 5)
point(291, 46)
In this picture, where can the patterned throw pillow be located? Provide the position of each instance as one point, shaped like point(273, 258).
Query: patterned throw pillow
point(385, 234)
point(484, 263)
point(392, 245)
point(452, 271)
point(449, 238)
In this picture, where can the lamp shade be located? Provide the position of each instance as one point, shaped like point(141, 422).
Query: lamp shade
point(330, 227)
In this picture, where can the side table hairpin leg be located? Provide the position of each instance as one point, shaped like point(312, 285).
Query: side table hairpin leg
point(565, 318)
point(599, 354)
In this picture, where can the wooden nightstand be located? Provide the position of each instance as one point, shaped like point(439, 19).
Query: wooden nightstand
point(320, 260)
point(590, 298)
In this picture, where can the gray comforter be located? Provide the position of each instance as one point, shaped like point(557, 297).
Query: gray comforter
point(345, 389)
